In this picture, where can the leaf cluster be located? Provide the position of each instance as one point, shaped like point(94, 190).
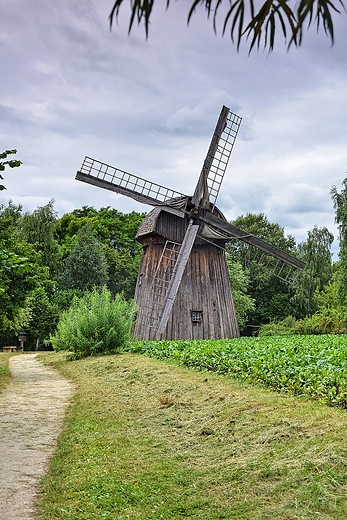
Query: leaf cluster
point(247, 20)
point(12, 163)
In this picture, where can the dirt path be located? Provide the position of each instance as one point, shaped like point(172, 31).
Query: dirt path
point(31, 411)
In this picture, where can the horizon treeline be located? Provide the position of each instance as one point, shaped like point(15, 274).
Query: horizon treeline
point(48, 261)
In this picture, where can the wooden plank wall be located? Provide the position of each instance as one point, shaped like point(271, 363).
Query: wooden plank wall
point(205, 287)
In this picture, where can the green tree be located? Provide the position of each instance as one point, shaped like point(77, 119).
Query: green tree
point(38, 229)
point(85, 267)
point(39, 317)
point(315, 252)
point(11, 163)
point(20, 271)
point(116, 233)
point(270, 293)
point(245, 20)
point(239, 279)
point(340, 205)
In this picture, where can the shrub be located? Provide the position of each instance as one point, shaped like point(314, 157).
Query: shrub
point(286, 327)
point(329, 322)
point(95, 324)
point(323, 324)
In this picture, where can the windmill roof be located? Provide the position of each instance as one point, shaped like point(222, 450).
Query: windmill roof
point(148, 224)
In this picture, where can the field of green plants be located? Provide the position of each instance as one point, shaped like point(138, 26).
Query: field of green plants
point(305, 365)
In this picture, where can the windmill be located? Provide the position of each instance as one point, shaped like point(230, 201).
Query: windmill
point(183, 289)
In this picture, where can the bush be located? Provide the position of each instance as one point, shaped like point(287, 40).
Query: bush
point(286, 327)
point(330, 322)
point(322, 324)
point(95, 324)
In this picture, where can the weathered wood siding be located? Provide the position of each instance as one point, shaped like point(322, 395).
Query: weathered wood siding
point(205, 287)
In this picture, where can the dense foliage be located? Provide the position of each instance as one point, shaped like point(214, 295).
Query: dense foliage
point(340, 205)
point(46, 261)
point(95, 323)
point(306, 365)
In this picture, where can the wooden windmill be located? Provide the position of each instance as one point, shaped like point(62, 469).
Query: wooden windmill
point(183, 289)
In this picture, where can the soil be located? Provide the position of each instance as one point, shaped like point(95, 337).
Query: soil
point(32, 409)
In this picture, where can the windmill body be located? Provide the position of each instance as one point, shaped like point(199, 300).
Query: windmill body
point(183, 289)
point(203, 307)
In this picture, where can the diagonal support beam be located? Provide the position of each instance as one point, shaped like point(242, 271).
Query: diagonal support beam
point(180, 266)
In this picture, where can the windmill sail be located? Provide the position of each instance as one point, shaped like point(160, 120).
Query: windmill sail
point(150, 312)
point(111, 178)
point(217, 158)
point(234, 232)
point(206, 192)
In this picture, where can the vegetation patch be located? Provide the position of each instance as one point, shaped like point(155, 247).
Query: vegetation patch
point(4, 370)
point(147, 440)
point(306, 365)
point(95, 323)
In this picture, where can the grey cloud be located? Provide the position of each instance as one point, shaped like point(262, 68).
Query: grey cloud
point(70, 87)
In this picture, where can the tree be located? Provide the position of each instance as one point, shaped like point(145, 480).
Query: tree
point(315, 252)
point(270, 293)
point(239, 279)
point(85, 267)
point(340, 205)
point(12, 163)
point(116, 233)
point(39, 317)
point(18, 273)
point(244, 21)
point(38, 228)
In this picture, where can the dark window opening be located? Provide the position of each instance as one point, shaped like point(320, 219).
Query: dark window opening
point(196, 316)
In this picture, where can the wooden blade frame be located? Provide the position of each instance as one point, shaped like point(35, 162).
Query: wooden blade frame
point(105, 176)
point(217, 158)
point(235, 232)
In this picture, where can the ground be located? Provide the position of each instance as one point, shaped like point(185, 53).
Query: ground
point(32, 408)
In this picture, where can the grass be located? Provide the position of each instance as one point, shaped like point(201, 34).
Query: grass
point(144, 439)
point(4, 370)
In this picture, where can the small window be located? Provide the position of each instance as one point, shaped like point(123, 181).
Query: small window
point(196, 316)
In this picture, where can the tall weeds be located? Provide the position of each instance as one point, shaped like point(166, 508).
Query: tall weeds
point(95, 324)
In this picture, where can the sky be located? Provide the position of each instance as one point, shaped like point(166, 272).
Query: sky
point(70, 87)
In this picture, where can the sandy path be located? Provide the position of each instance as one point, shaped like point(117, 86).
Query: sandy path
point(31, 411)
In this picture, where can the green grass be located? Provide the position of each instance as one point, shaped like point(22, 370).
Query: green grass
point(145, 439)
point(4, 370)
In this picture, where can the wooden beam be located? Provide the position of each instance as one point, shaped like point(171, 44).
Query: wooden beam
point(175, 281)
point(240, 234)
point(145, 199)
point(201, 189)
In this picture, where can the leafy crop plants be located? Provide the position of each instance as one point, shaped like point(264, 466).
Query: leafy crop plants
point(305, 365)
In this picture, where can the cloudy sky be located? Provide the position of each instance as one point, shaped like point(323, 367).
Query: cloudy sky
point(70, 87)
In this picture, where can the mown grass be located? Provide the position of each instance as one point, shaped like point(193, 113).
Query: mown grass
point(4, 370)
point(145, 439)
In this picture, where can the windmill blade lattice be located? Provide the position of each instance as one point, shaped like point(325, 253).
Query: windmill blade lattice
point(177, 274)
point(111, 178)
point(265, 247)
point(217, 157)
